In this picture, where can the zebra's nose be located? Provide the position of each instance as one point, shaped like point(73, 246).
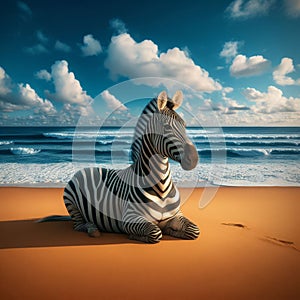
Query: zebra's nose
point(190, 157)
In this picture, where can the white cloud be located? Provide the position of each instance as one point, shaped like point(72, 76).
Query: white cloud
point(75, 111)
point(67, 87)
point(271, 102)
point(118, 25)
point(233, 106)
point(90, 46)
point(245, 9)
point(209, 105)
point(4, 83)
point(76, 102)
point(21, 97)
point(43, 74)
point(229, 51)
point(112, 102)
point(244, 67)
point(30, 98)
point(62, 46)
point(271, 108)
point(292, 8)
point(227, 90)
point(286, 67)
point(131, 59)
point(219, 68)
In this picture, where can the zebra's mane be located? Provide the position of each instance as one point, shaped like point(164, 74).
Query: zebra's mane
point(142, 122)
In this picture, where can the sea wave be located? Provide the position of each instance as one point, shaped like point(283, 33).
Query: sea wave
point(236, 152)
point(84, 135)
point(194, 134)
point(124, 152)
point(24, 151)
point(5, 143)
point(259, 143)
point(249, 152)
point(245, 136)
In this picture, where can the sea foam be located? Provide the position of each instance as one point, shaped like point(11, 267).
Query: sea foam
point(24, 151)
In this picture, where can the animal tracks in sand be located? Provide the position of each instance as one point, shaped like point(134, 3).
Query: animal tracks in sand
point(267, 238)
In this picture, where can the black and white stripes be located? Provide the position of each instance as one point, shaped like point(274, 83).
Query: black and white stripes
point(140, 200)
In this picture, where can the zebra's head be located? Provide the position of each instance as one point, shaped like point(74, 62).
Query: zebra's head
point(168, 133)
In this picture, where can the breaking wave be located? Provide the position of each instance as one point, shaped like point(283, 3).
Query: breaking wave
point(24, 151)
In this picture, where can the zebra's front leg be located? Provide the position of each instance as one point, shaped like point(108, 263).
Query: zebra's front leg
point(181, 227)
point(140, 229)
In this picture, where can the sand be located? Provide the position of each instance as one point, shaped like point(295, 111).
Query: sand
point(249, 248)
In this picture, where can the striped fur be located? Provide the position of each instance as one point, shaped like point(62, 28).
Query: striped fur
point(141, 200)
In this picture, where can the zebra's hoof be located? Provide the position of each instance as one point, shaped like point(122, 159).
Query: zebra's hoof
point(191, 232)
point(95, 233)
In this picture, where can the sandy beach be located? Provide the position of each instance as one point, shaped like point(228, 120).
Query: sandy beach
point(249, 248)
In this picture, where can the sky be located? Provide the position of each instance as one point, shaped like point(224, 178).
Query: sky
point(90, 62)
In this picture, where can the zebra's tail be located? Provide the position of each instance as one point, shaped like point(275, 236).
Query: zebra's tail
point(54, 218)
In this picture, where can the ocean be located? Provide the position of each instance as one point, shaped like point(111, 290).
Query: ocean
point(230, 156)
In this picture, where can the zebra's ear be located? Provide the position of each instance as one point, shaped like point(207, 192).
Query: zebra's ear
point(177, 99)
point(162, 100)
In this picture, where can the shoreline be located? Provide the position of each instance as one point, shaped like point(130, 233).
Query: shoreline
point(249, 248)
point(204, 175)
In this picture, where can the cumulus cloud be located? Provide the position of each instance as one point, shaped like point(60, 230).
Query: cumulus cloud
point(21, 97)
point(262, 108)
point(43, 74)
point(5, 82)
point(72, 112)
point(231, 105)
point(272, 101)
point(245, 9)
point(29, 98)
point(118, 25)
point(292, 8)
point(67, 87)
point(112, 102)
point(285, 67)
point(210, 105)
point(229, 50)
point(90, 46)
point(132, 59)
point(244, 67)
point(60, 46)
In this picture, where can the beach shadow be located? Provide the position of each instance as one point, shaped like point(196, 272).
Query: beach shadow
point(29, 234)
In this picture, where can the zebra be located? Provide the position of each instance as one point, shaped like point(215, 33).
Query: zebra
point(140, 200)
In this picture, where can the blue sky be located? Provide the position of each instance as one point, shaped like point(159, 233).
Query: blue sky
point(63, 62)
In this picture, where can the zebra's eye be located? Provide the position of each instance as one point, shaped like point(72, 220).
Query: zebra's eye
point(168, 127)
